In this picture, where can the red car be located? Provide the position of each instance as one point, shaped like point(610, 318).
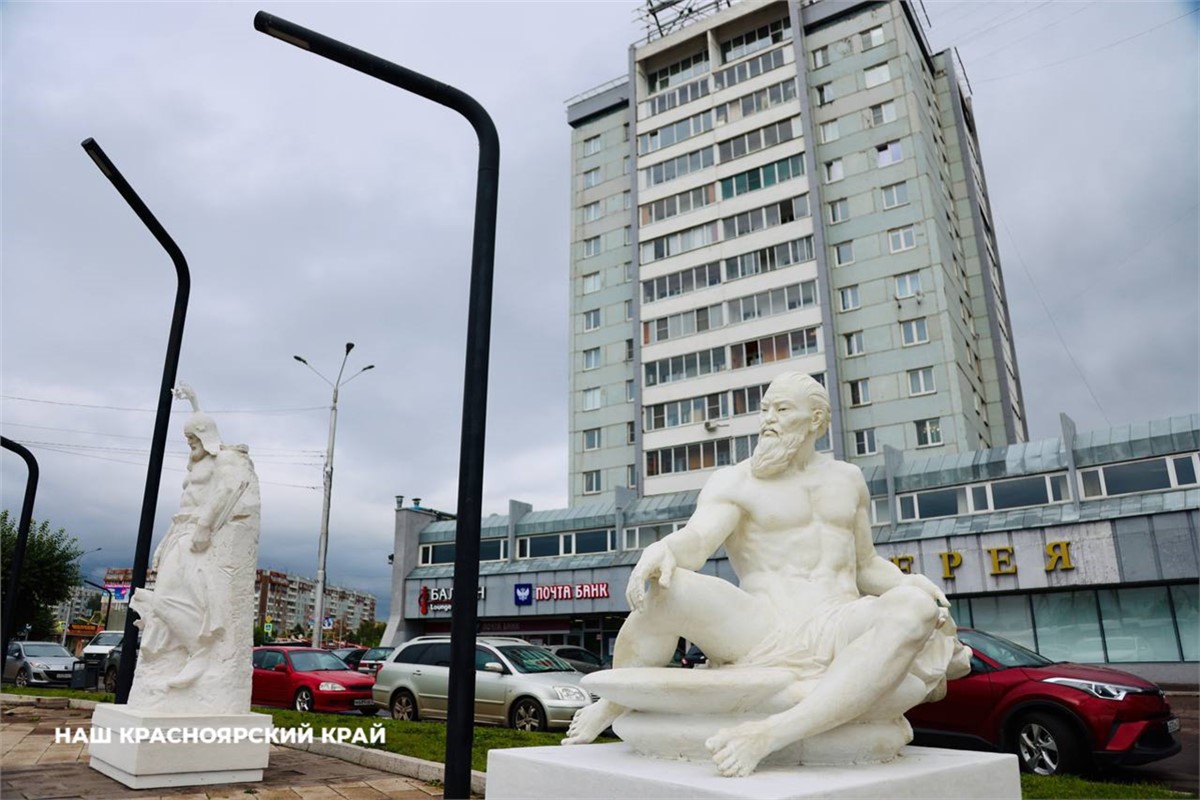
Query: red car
point(1057, 717)
point(308, 679)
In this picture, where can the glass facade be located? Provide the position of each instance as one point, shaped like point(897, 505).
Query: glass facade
point(1114, 625)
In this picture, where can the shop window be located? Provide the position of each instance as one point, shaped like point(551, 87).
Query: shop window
point(1138, 625)
point(1067, 627)
point(1004, 615)
point(1187, 621)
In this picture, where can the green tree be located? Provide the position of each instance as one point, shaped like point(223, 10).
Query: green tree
point(48, 576)
point(260, 636)
point(369, 632)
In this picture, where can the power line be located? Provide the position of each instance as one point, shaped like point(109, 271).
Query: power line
point(258, 450)
point(981, 31)
point(975, 59)
point(1089, 52)
point(173, 410)
point(171, 453)
point(1037, 293)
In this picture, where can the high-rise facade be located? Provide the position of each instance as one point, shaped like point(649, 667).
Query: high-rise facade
point(782, 186)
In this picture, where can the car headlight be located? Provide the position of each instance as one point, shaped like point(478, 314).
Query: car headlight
point(571, 693)
point(330, 686)
point(38, 665)
point(1105, 691)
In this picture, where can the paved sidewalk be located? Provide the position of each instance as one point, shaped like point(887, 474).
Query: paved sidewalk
point(34, 767)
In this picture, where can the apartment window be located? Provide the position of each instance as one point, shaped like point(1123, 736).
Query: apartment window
point(895, 195)
point(591, 282)
point(680, 71)
point(628, 310)
point(629, 349)
point(920, 381)
point(843, 254)
point(908, 284)
point(773, 301)
point(768, 259)
point(675, 132)
point(820, 57)
point(864, 442)
point(629, 391)
point(854, 343)
point(676, 243)
point(591, 439)
point(900, 239)
point(591, 319)
point(766, 217)
point(829, 131)
point(929, 432)
point(889, 153)
point(762, 177)
point(591, 212)
point(860, 392)
point(755, 140)
point(591, 358)
point(872, 38)
point(877, 75)
point(631, 476)
point(732, 76)
point(591, 399)
point(914, 331)
point(682, 282)
point(834, 170)
point(630, 433)
point(628, 234)
point(591, 247)
point(625, 162)
point(591, 178)
point(591, 146)
point(824, 94)
point(839, 211)
point(676, 167)
point(883, 113)
point(848, 298)
point(755, 40)
point(771, 96)
point(630, 273)
point(591, 481)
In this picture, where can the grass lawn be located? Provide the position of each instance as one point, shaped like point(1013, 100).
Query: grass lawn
point(427, 740)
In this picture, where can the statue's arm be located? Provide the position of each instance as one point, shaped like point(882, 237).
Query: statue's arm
point(714, 520)
point(875, 573)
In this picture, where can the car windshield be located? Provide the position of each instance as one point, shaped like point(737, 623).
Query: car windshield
point(527, 658)
point(315, 661)
point(46, 651)
point(1002, 651)
point(107, 639)
point(377, 653)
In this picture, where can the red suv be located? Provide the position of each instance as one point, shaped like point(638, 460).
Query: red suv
point(1057, 717)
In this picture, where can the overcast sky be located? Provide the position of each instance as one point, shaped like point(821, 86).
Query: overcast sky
point(317, 206)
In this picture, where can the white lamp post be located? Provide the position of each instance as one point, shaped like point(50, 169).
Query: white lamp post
point(323, 543)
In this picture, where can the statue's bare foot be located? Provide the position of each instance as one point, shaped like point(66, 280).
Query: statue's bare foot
point(591, 721)
point(738, 750)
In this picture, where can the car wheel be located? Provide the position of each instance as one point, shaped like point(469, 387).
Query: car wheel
point(1047, 745)
point(110, 680)
point(22, 678)
point(304, 700)
point(527, 715)
point(404, 706)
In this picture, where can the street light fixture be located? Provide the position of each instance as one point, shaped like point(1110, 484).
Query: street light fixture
point(323, 543)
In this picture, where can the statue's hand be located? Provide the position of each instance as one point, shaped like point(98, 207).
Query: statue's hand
point(657, 563)
point(200, 538)
point(928, 587)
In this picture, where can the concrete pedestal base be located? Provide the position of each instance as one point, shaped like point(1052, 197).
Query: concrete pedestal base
point(178, 752)
point(613, 770)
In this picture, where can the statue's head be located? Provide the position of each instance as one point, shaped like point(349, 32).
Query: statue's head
point(795, 412)
point(201, 428)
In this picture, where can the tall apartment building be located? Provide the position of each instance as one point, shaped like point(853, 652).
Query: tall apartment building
point(780, 186)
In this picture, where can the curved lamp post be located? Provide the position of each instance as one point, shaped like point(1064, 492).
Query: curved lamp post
point(158, 444)
point(18, 556)
point(460, 717)
point(323, 543)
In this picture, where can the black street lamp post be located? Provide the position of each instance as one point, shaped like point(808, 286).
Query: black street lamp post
point(18, 556)
point(158, 444)
point(460, 717)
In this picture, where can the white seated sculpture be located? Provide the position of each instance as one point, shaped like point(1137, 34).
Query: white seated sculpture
point(198, 621)
point(193, 675)
point(815, 655)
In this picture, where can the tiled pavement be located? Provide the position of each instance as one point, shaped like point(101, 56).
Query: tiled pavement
point(33, 766)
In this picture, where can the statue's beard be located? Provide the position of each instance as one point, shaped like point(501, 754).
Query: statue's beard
point(774, 453)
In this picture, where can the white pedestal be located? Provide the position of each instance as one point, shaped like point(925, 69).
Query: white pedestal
point(175, 757)
point(604, 771)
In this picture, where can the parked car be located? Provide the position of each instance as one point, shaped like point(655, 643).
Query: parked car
point(373, 659)
point(580, 658)
point(1057, 717)
point(694, 657)
point(351, 655)
point(516, 683)
point(96, 651)
point(39, 664)
point(309, 679)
